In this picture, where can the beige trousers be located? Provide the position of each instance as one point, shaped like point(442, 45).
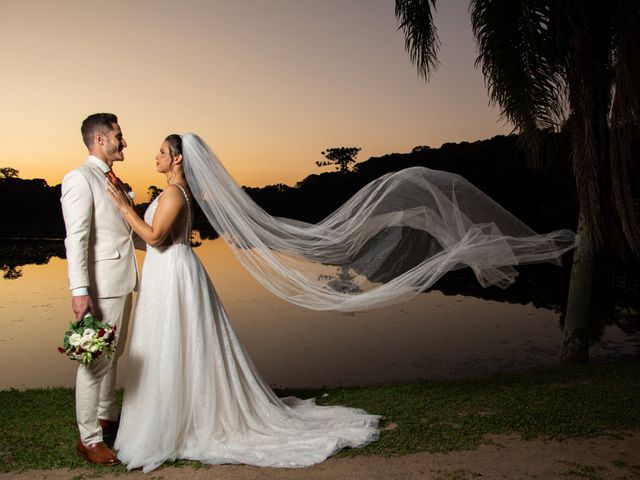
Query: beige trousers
point(96, 385)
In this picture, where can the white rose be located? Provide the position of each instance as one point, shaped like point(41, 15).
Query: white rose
point(74, 339)
point(94, 347)
point(86, 342)
point(88, 332)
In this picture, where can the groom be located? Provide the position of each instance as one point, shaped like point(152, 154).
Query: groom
point(102, 275)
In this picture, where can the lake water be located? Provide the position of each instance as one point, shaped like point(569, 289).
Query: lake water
point(431, 336)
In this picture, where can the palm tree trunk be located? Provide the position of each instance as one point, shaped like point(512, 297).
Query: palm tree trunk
point(575, 341)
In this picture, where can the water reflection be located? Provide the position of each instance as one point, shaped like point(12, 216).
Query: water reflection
point(437, 334)
point(543, 285)
point(342, 281)
point(17, 252)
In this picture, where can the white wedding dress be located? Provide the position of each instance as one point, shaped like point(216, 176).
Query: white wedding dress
point(192, 392)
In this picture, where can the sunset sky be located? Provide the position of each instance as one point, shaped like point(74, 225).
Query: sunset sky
point(268, 84)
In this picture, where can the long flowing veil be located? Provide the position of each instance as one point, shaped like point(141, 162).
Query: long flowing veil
point(392, 240)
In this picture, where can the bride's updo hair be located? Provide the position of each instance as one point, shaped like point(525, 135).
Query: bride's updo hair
point(175, 144)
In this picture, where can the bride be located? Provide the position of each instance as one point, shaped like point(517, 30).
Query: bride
point(192, 392)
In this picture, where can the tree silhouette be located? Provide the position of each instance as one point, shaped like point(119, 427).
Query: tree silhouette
point(421, 148)
point(341, 157)
point(153, 192)
point(570, 66)
point(8, 172)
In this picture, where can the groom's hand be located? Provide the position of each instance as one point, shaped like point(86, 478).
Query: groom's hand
point(80, 305)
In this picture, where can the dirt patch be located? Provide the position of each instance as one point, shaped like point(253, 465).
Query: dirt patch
point(503, 457)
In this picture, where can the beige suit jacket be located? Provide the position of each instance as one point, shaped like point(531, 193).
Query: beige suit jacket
point(99, 244)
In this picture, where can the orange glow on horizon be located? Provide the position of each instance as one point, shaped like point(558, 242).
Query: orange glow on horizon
point(267, 85)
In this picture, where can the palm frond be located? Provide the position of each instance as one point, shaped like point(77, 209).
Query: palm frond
point(415, 19)
point(522, 67)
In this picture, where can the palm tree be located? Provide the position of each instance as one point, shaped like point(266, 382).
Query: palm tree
point(554, 64)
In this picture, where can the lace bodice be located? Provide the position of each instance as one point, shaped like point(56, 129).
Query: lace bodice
point(176, 238)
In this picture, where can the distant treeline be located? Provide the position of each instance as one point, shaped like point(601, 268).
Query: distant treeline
point(498, 166)
point(30, 208)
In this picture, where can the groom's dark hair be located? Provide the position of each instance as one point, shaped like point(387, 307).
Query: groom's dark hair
point(98, 122)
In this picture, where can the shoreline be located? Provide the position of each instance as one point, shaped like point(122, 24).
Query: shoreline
point(456, 375)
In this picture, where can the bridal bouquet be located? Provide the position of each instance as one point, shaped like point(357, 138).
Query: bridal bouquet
point(88, 339)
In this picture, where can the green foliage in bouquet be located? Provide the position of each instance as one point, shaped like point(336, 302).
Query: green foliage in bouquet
point(88, 339)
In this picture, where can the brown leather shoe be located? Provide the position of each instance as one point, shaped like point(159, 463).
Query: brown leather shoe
point(109, 426)
point(98, 453)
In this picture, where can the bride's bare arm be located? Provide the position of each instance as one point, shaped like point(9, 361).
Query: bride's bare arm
point(170, 204)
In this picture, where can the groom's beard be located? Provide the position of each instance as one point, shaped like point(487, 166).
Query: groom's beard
point(114, 152)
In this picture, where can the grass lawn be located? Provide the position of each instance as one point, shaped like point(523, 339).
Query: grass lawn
point(37, 427)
